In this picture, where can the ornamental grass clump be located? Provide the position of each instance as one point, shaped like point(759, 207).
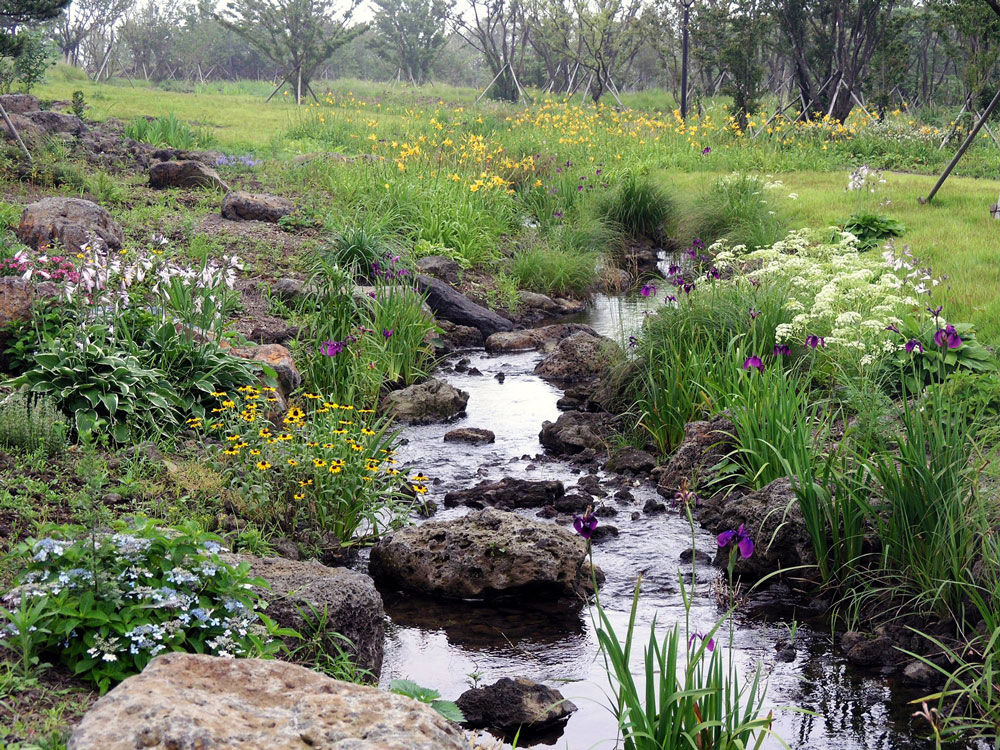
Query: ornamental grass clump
point(29, 424)
point(638, 207)
point(325, 469)
point(103, 604)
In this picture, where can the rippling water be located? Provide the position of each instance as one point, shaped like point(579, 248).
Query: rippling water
point(440, 644)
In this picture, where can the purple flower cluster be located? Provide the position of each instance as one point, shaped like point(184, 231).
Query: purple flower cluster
point(390, 271)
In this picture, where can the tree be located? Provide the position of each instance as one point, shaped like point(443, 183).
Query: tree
point(412, 33)
point(297, 35)
point(497, 28)
point(971, 33)
point(609, 39)
point(83, 18)
point(17, 14)
point(731, 39)
point(148, 37)
point(832, 43)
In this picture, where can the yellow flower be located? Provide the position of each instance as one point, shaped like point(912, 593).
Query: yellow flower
point(299, 495)
point(319, 462)
point(305, 483)
point(233, 438)
point(419, 478)
point(366, 431)
point(231, 452)
point(292, 462)
point(420, 489)
point(255, 452)
point(263, 465)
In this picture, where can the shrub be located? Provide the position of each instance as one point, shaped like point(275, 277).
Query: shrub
point(104, 604)
point(105, 389)
point(870, 228)
point(328, 470)
point(169, 131)
point(553, 270)
point(32, 424)
point(638, 207)
point(735, 209)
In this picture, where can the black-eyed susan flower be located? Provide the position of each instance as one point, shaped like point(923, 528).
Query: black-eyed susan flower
point(319, 463)
point(255, 452)
point(292, 462)
point(299, 496)
point(263, 465)
point(233, 438)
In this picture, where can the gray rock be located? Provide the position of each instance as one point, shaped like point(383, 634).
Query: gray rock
point(575, 431)
point(242, 206)
point(70, 222)
point(577, 357)
point(425, 403)
point(473, 435)
point(705, 445)
point(919, 673)
point(543, 338)
point(630, 461)
point(512, 704)
point(440, 268)
point(508, 492)
point(450, 304)
point(19, 104)
point(185, 174)
point(774, 521)
point(350, 601)
point(486, 553)
point(191, 701)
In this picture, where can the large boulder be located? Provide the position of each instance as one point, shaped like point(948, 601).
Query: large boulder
point(242, 206)
point(509, 493)
point(439, 267)
point(200, 702)
point(302, 595)
point(486, 553)
point(425, 403)
point(512, 704)
point(185, 174)
point(773, 520)
point(574, 432)
point(450, 304)
point(19, 104)
point(278, 358)
point(454, 337)
point(70, 222)
point(629, 460)
point(542, 339)
point(580, 356)
point(705, 445)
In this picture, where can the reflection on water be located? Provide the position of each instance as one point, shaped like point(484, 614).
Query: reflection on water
point(446, 645)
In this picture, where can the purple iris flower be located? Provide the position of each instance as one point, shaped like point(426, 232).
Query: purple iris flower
point(892, 327)
point(813, 341)
point(701, 636)
point(948, 336)
point(936, 312)
point(387, 332)
point(713, 273)
point(557, 214)
point(688, 288)
point(673, 270)
point(742, 539)
point(698, 243)
point(782, 350)
point(669, 298)
point(692, 253)
point(754, 314)
point(753, 361)
point(914, 344)
point(633, 341)
point(585, 524)
point(331, 348)
point(706, 151)
point(648, 290)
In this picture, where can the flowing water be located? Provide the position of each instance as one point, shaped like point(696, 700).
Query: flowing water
point(443, 644)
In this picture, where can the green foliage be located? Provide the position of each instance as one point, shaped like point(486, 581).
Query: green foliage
point(361, 249)
point(736, 208)
point(34, 58)
point(448, 709)
point(106, 603)
point(324, 650)
point(553, 270)
point(32, 424)
point(871, 228)
point(691, 698)
point(169, 131)
point(638, 207)
point(412, 33)
point(934, 360)
point(106, 390)
point(79, 104)
point(105, 189)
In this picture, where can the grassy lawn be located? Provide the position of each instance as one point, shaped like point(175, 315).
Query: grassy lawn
point(954, 234)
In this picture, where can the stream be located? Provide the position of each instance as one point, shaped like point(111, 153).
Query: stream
point(442, 644)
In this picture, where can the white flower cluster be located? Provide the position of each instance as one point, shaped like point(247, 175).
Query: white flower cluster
point(847, 297)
